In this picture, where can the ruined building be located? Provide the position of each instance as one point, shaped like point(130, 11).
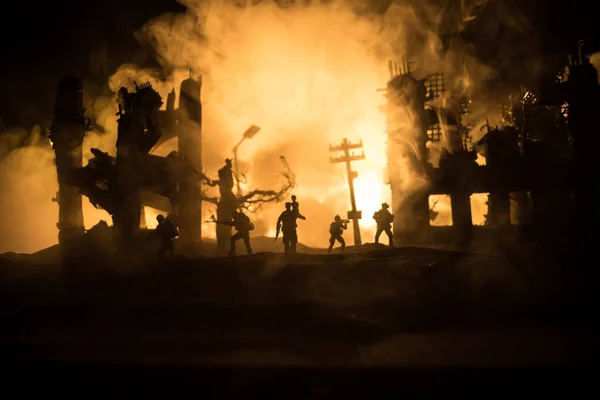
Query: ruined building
point(407, 151)
point(125, 184)
point(536, 161)
point(122, 185)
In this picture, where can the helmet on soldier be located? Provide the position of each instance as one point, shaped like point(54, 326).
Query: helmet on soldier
point(385, 205)
point(160, 218)
point(338, 218)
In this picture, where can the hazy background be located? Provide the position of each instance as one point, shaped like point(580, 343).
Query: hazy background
point(307, 77)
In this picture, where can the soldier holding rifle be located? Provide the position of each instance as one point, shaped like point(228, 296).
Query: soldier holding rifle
point(384, 220)
point(243, 226)
point(336, 229)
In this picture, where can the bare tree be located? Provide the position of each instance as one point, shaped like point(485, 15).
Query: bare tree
point(251, 201)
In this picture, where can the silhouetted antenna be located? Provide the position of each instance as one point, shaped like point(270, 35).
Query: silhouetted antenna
point(191, 74)
point(391, 69)
point(347, 158)
point(580, 51)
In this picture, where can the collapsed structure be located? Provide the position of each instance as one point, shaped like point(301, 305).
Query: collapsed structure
point(124, 184)
point(535, 163)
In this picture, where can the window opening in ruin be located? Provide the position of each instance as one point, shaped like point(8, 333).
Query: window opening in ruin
point(434, 132)
point(149, 215)
point(434, 152)
point(435, 84)
point(479, 208)
point(93, 215)
point(440, 210)
point(436, 87)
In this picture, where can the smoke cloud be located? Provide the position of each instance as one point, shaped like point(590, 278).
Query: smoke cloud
point(29, 184)
point(306, 74)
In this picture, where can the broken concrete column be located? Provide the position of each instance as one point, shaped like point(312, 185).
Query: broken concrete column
point(189, 129)
point(66, 134)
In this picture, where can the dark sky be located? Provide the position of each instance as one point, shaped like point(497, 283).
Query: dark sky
point(41, 40)
point(38, 42)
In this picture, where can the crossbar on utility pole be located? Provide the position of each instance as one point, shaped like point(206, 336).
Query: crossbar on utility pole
point(347, 158)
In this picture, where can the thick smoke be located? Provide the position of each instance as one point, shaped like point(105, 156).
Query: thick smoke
point(307, 75)
point(29, 183)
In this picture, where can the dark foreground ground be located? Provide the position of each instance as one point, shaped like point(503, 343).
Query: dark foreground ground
point(373, 307)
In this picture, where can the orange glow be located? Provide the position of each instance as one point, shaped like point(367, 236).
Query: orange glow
point(479, 208)
point(441, 204)
point(307, 76)
point(307, 79)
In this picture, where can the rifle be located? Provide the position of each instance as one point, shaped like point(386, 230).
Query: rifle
point(345, 221)
point(215, 221)
point(278, 229)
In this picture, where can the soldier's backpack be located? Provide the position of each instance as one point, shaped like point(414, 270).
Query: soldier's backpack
point(171, 229)
point(334, 229)
point(250, 224)
point(376, 216)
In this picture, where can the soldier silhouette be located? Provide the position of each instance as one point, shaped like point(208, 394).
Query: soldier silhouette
point(286, 223)
point(167, 231)
point(243, 226)
point(384, 221)
point(336, 229)
point(296, 208)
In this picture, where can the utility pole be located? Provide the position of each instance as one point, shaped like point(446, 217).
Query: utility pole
point(353, 214)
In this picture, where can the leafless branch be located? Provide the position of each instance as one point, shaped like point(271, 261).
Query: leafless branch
point(254, 200)
point(205, 179)
point(243, 175)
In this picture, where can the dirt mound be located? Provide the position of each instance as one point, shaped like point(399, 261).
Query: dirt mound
point(342, 307)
